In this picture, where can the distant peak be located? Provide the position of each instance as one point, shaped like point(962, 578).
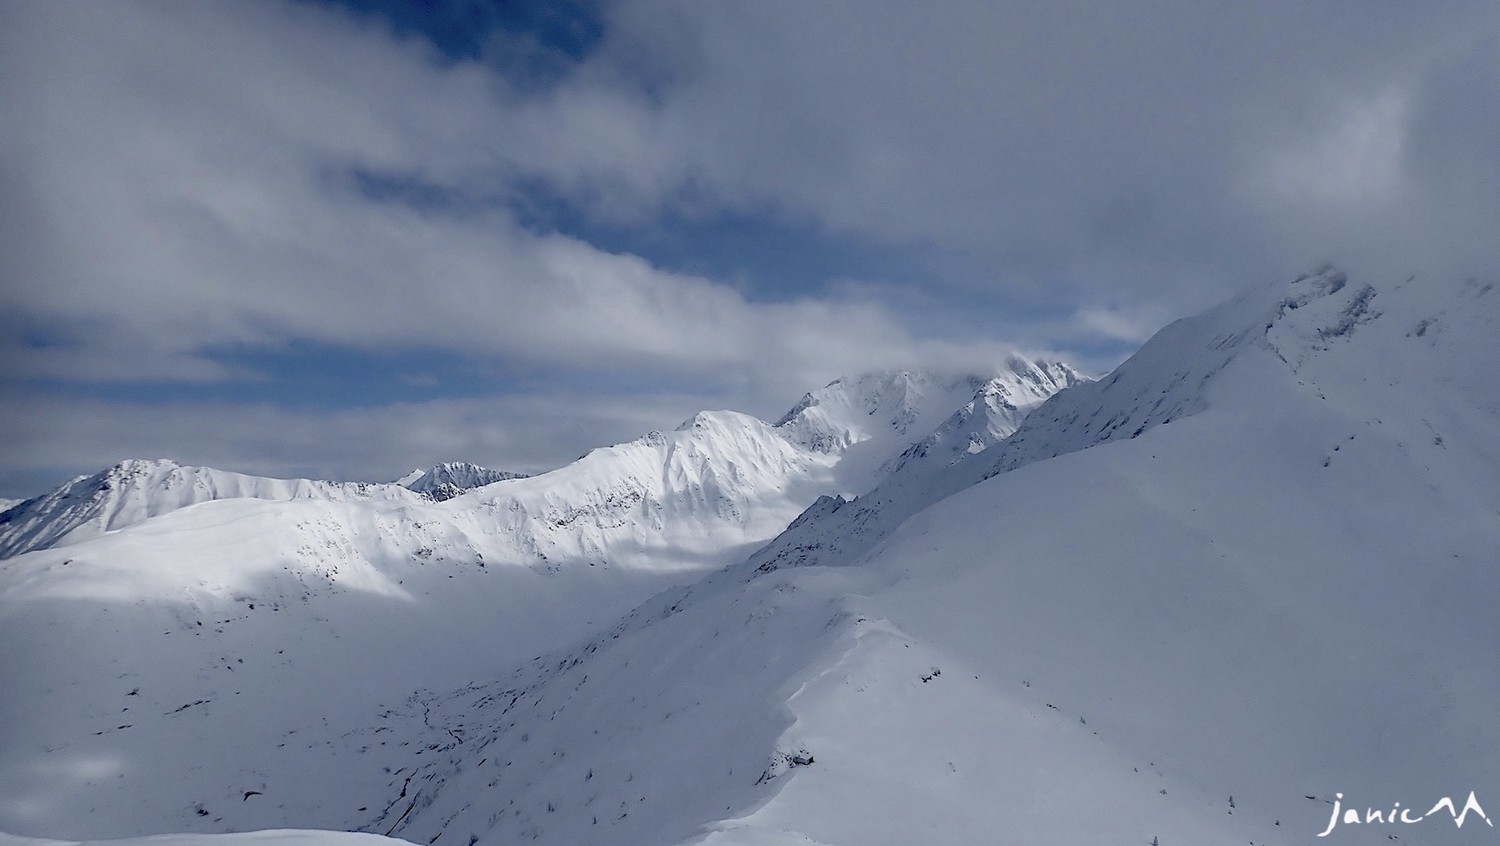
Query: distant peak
point(131, 466)
point(905, 403)
point(713, 420)
point(451, 478)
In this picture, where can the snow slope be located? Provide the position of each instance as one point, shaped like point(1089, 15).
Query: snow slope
point(208, 668)
point(1257, 569)
point(168, 668)
point(1252, 569)
point(1285, 591)
point(1186, 604)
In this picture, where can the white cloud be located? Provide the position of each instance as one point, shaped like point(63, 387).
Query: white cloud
point(1057, 139)
point(1121, 324)
point(187, 178)
point(181, 177)
point(1354, 162)
point(48, 438)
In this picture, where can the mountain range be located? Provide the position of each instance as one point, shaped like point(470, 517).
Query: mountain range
point(1247, 574)
point(213, 594)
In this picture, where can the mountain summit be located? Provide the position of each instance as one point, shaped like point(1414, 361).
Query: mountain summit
point(875, 418)
point(448, 480)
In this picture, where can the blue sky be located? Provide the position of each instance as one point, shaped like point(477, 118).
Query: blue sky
point(462, 29)
point(344, 239)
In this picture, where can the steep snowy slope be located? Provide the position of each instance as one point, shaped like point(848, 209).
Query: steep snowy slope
point(1169, 378)
point(1252, 570)
point(8, 504)
point(448, 480)
point(136, 490)
point(1286, 591)
point(170, 668)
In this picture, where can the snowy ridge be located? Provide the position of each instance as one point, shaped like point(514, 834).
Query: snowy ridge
point(882, 405)
point(608, 487)
point(876, 417)
point(1196, 667)
point(694, 497)
point(280, 627)
point(1196, 663)
point(135, 490)
point(448, 480)
point(1169, 378)
point(1172, 376)
point(723, 482)
point(996, 411)
point(1171, 613)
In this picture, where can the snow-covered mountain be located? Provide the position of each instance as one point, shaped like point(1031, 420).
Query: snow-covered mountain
point(216, 611)
point(997, 409)
point(1249, 573)
point(136, 490)
point(853, 425)
point(871, 419)
point(449, 479)
point(1246, 574)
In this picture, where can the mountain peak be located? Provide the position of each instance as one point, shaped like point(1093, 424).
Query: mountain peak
point(716, 420)
point(891, 405)
point(995, 412)
point(449, 479)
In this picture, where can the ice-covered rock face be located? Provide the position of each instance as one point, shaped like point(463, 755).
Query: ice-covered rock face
point(447, 480)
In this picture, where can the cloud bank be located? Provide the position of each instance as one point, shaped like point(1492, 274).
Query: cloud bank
point(186, 179)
